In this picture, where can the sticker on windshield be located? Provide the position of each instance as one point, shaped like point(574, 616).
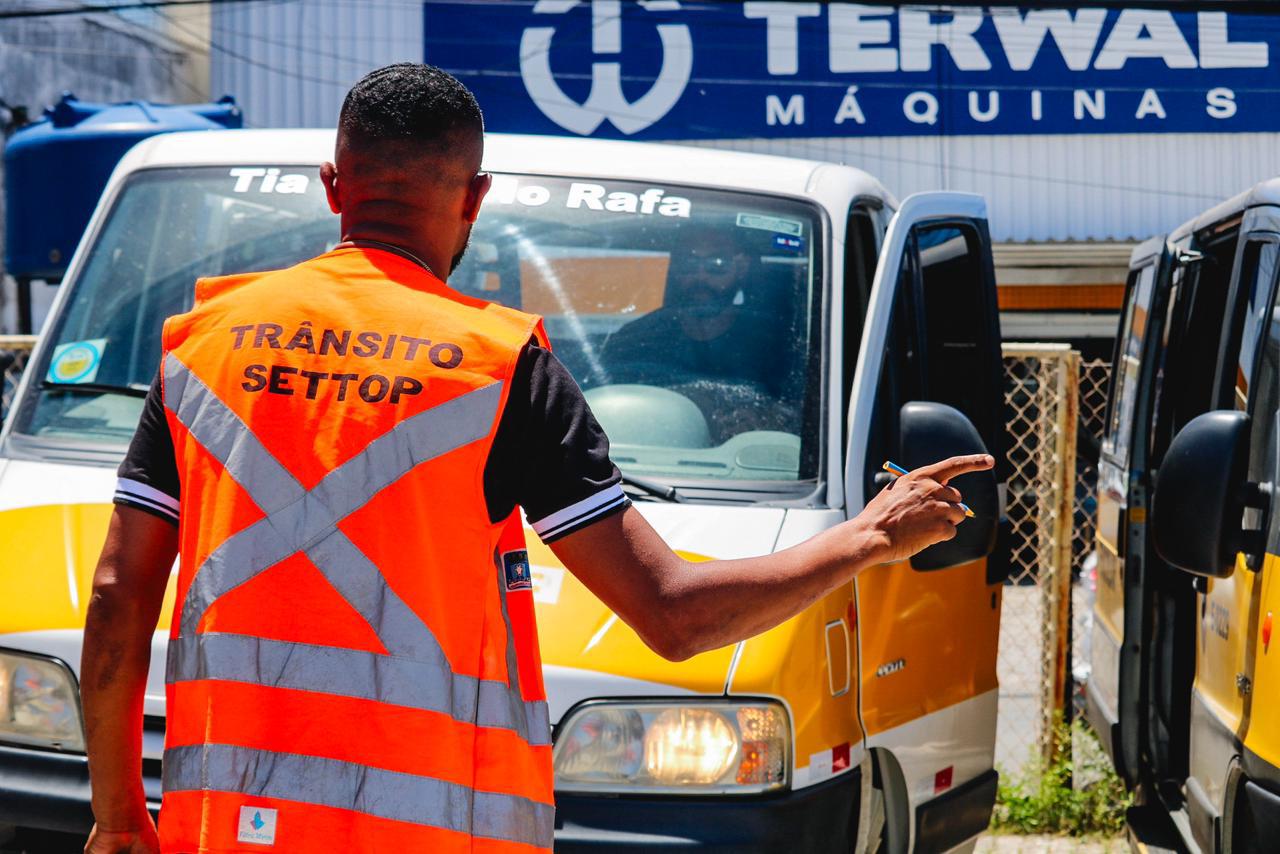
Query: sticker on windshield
point(792, 227)
point(588, 196)
point(788, 243)
point(76, 361)
point(250, 179)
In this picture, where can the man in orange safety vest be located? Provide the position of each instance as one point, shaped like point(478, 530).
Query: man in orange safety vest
point(338, 454)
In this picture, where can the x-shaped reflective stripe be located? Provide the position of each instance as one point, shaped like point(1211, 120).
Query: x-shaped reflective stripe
point(416, 673)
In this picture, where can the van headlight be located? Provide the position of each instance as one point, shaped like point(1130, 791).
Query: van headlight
point(687, 748)
point(39, 705)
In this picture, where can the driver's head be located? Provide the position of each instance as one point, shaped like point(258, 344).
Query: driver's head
point(409, 147)
point(708, 267)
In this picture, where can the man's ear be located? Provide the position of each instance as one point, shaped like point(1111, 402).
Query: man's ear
point(329, 177)
point(476, 191)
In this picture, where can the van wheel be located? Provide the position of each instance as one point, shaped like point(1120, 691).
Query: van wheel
point(871, 832)
point(874, 818)
point(884, 815)
point(1241, 828)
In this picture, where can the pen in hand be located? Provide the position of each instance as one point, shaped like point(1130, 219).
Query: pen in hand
point(898, 471)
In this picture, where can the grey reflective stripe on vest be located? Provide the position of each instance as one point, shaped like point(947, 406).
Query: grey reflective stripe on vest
point(346, 785)
point(416, 673)
point(350, 673)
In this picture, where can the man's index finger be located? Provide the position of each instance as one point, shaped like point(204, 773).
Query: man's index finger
point(955, 466)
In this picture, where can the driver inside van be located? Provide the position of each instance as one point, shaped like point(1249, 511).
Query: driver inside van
point(708, 327)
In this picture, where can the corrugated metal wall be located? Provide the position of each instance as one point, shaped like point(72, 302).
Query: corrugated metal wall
point(289, 65)
point(1063, 188)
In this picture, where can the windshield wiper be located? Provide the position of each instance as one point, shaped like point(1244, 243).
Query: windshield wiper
point(652, 488)
point(131, 390)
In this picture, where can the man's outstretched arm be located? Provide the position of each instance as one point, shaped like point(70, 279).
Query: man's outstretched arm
point(128, 589)
point(681, 608)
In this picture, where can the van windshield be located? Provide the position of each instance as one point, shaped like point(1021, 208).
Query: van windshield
point(688, 316)
point(167, 228)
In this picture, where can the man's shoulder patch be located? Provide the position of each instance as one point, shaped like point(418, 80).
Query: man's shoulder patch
point(515, 565)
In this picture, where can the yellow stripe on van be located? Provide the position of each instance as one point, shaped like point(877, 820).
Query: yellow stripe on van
point(1263, 735)
point(51, 551)
point(578, 630)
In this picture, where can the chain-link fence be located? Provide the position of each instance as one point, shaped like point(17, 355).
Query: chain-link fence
point(1056, 406)
point(1095, 376)
point(15, 350)
point(1041, 399)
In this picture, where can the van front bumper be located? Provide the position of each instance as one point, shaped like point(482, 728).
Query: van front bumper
point(47, 790)
point(821, 818)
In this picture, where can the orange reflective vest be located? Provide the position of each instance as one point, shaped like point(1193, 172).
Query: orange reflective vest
point(353, 660)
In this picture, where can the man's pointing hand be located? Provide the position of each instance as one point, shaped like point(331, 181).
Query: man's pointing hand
point(920, 508)
point(680, 609)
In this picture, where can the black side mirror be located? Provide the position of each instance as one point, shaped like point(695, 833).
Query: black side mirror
point(930, 432)
point(1201, 493)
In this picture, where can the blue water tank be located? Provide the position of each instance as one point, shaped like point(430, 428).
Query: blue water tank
point(56, 168)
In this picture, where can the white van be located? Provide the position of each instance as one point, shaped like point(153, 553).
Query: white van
point(863, 330)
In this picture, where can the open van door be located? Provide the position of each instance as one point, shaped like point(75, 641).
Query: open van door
point(1224, 705)
point(1114, 706)
point(929, 385)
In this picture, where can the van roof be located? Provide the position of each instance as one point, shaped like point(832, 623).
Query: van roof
point(529, 154)
point(1266, 193)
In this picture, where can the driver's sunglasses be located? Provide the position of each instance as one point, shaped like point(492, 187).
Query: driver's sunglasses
point(710, 265)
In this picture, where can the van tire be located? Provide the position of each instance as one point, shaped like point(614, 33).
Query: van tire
point(889, 798)
point(873, 819)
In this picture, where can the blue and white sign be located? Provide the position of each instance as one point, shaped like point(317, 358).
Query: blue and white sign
point(664, 69)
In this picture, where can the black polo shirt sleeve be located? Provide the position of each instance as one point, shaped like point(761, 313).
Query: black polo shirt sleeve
point(549, 455)
point(148, 477)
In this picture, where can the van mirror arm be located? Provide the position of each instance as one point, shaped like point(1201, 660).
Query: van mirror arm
point(1187, 257)
point(1253, 541)
point(1256, 495)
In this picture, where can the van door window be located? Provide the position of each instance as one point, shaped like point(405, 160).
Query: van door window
point(860, 256)
point(1197, 388)
point(1186, 382)
point(1124, 392)
point(942, 344)
point(1257, 274)
point(1258, 375)
point(959, 345)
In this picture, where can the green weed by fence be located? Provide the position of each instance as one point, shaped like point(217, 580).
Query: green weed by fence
point(1076, 794)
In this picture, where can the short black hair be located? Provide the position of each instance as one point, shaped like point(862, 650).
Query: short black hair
point(410, 102)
